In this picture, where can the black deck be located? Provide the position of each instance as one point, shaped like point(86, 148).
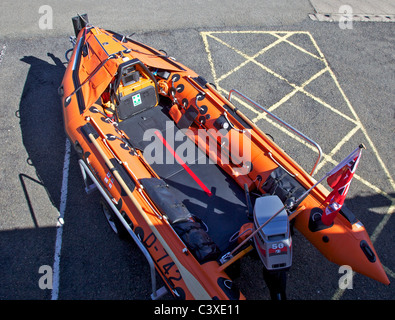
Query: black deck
point(224, 212)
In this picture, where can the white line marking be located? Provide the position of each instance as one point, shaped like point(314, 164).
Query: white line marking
point(247, 57)
point(59, 227)
point(2, 53)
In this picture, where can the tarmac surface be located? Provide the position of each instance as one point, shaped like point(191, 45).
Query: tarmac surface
point(334, 81)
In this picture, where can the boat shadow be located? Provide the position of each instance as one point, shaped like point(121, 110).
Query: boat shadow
point(24, 250)
point(41, 123)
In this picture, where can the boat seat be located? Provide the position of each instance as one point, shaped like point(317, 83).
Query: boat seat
point(191, 232)
point(160, 193)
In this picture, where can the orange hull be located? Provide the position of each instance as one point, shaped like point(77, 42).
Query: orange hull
point(108, 148)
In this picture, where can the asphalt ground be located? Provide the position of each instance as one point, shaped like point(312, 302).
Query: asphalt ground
point(336, 85)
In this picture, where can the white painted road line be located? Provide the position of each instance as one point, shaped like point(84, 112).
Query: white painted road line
point(2, 53)
point(59, 229)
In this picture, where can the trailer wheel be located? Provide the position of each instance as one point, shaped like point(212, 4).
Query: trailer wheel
point(113, 221)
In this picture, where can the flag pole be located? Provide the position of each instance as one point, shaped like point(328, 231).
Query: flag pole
point(336, 168)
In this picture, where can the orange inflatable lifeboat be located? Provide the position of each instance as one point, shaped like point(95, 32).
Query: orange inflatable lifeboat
point(181, 171)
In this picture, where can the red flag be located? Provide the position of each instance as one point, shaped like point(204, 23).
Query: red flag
point(339, 180)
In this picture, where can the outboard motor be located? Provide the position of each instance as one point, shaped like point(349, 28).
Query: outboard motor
point(273, 243)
